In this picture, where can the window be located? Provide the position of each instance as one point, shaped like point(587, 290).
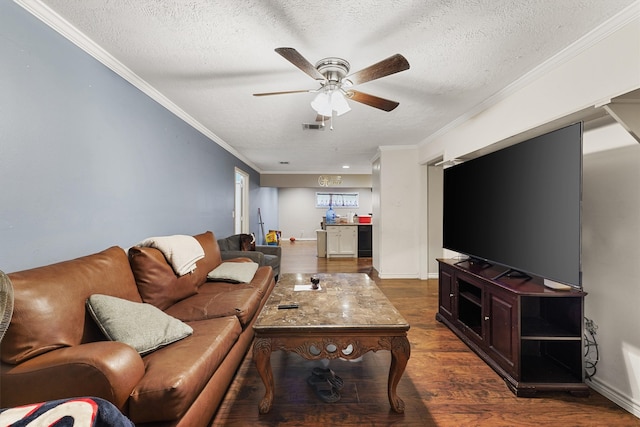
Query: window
point(337, 200)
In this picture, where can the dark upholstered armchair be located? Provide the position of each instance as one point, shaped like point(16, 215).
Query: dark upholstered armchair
point(239, 245)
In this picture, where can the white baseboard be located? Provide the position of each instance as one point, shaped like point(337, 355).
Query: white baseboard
point(398, 276)
point(625, 402)
point(408, 276)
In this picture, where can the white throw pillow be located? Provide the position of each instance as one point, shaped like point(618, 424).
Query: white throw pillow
point(143, 326)
point(234, 272)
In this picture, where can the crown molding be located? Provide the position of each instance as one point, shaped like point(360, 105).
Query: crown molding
point(45, 14)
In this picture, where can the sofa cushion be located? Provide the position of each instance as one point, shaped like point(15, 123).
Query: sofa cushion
point(159, 285)
point(233, 272)
point(255, 256)
point(263, 280)
point(140, 325)
point(212, 257)
point(49, 302)
point(175, 375)
point(231, 243)
point(219, 299)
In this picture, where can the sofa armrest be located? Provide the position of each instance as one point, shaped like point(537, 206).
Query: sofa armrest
point(269, 250)
point(255, 256)
point(106, 369)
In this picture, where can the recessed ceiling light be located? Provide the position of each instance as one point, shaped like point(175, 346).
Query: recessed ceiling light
point(345, 166)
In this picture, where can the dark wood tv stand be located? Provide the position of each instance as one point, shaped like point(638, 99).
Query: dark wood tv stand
point(530, 335)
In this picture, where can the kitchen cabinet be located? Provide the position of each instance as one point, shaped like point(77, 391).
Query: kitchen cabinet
point(342, 241)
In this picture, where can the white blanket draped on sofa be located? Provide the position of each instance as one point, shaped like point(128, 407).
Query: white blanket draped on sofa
point(181, 251)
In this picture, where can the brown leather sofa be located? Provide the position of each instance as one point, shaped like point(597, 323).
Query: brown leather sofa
point(53, 348)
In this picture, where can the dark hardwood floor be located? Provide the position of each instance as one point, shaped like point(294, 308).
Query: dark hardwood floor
point(445, 384)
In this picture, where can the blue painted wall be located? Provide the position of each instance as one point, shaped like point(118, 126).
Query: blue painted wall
point(88, 161)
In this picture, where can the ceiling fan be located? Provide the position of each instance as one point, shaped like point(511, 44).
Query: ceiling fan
point(336, 84)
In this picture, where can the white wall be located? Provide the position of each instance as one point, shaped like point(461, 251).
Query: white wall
point(397, 226)
point(434, 214)
point(610, 254)
point(88, 161)
point(376, 183)
point(298, 216)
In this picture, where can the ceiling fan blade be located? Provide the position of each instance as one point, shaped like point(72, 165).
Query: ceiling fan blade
point(321, 118)
point(372, 101)
point(293, 56)
point(284, 92)
point(391, 65)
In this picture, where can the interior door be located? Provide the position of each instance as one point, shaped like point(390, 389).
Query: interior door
point(241, 208)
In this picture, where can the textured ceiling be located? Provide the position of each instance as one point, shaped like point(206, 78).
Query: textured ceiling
point(208, 57)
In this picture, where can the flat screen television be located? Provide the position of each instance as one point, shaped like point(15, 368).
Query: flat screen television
point(520, 207)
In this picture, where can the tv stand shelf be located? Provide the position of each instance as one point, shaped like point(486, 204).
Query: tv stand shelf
point(538, 328)
point(532, 336)
point(471, 298)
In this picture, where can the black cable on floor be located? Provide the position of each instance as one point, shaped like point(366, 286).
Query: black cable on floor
point(590, 348)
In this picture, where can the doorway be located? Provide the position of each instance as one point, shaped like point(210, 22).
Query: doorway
point(241, 208)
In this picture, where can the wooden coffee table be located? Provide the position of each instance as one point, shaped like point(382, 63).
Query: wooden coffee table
point(347, 317)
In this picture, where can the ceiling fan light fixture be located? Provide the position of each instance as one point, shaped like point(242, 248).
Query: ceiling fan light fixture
point(325, 103)
point(338, 103)
point(322, 104)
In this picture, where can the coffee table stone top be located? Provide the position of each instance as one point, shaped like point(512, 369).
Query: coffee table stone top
point(349, 301)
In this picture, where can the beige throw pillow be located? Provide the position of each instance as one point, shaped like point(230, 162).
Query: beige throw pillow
point(234, 272)
point(140, 325)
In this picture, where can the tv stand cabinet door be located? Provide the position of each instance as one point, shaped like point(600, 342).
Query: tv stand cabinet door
point(501, 317)
point(447, 293)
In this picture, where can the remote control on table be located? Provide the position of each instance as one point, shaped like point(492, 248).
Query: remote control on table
point(286, 306)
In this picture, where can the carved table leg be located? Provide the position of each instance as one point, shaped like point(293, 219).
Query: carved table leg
point(400, 352)
point(262, 358)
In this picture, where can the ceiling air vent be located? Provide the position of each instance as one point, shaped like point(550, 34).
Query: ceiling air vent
point(312, 126)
